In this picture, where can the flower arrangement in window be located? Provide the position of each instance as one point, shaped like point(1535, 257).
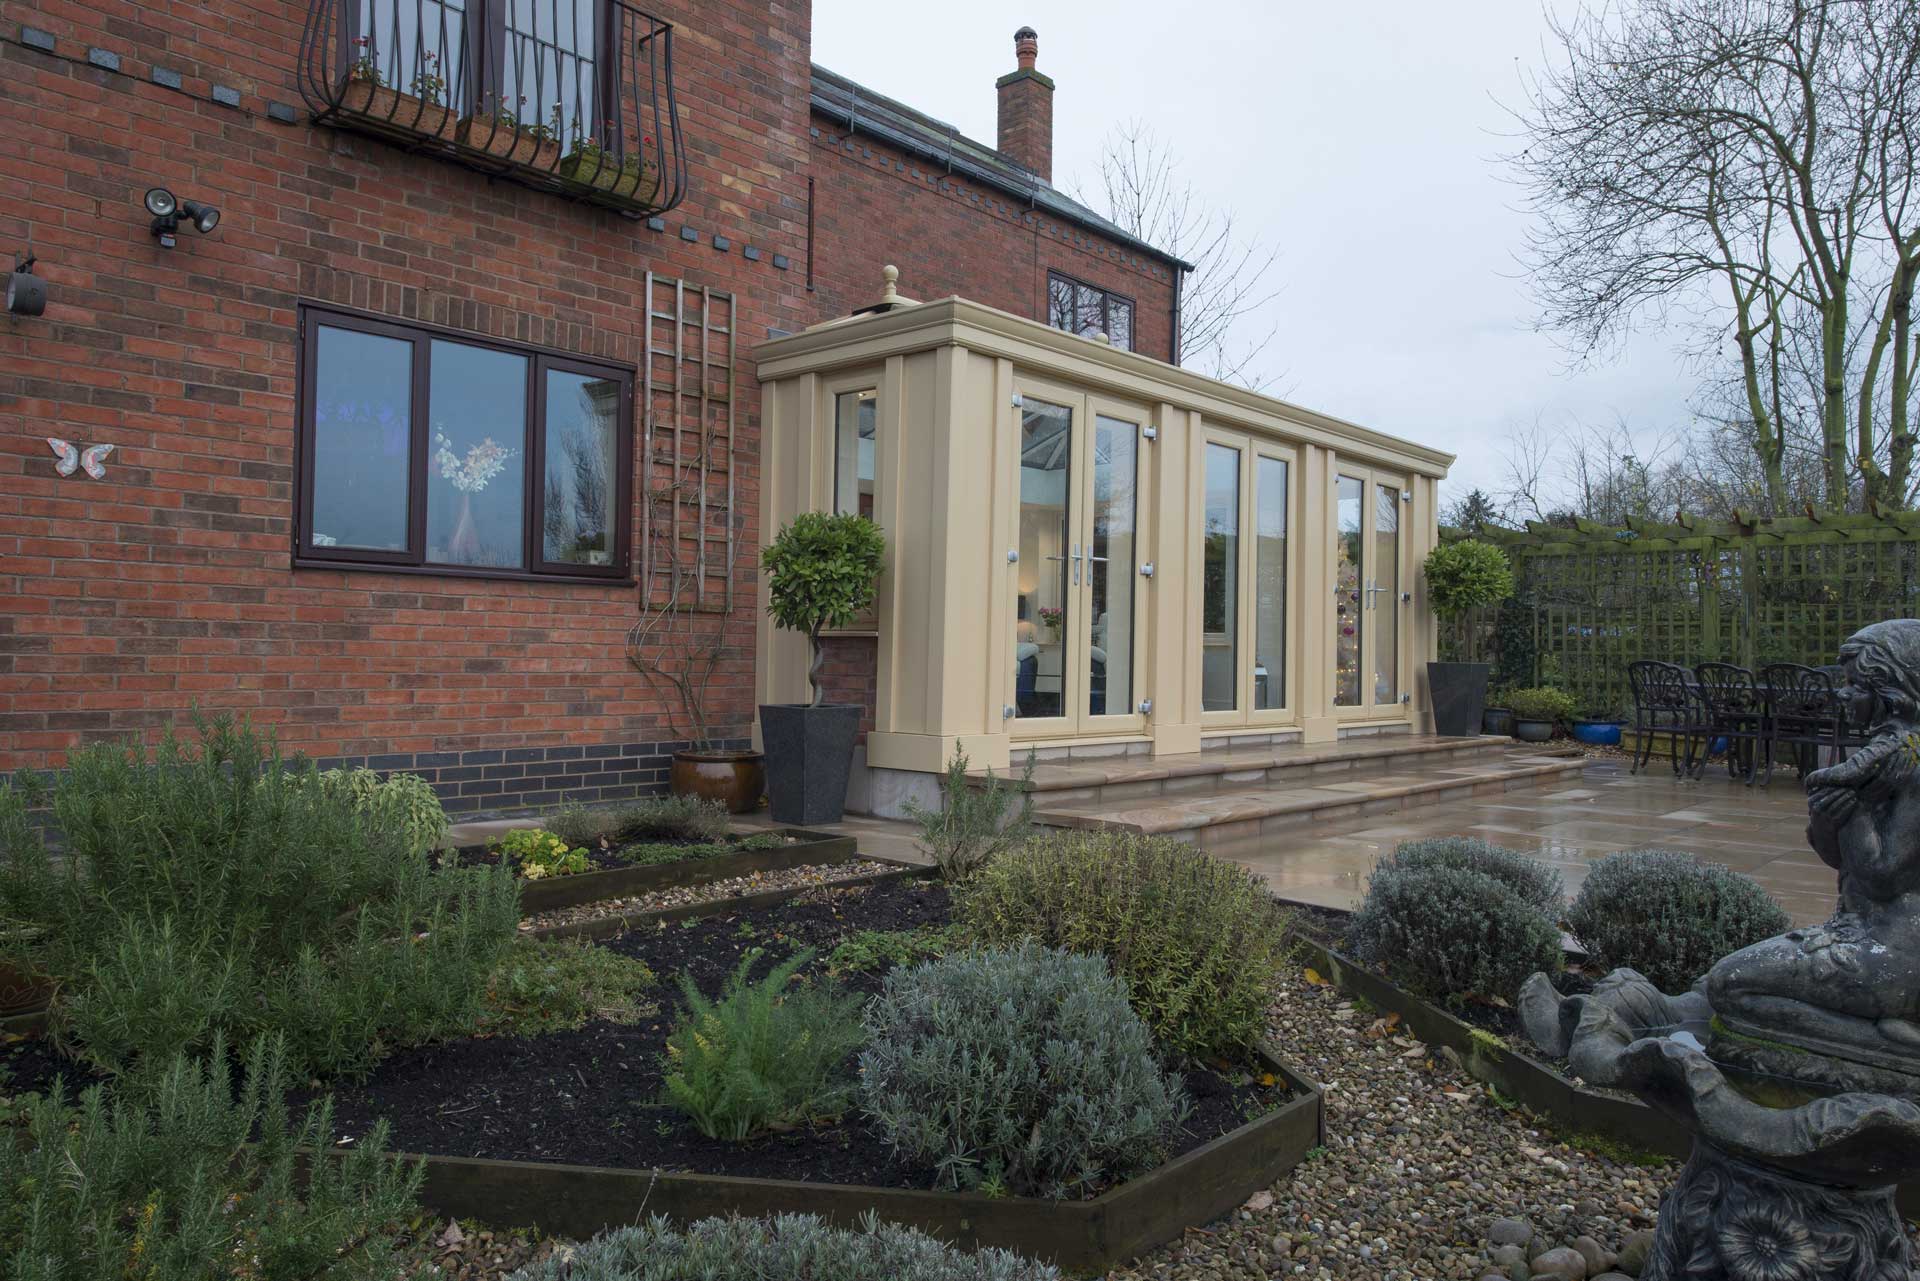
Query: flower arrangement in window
point(1054, 617)
point(366, 63)
point(470, 475)
point(429, 83)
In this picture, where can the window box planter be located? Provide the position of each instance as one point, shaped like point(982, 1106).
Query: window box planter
point(406, 112)
point(631, 178)
point(1535, 1085)
point(511, 142)
point(735, 779)
point(551, 893)
point(1080, 1236)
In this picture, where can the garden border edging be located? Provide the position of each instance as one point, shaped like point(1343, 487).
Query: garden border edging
point(1080, 1236)
point(551, 893)
point(1534, 1085)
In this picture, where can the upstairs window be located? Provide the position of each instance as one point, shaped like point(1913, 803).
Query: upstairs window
point(432, 451)
point(1083, 309)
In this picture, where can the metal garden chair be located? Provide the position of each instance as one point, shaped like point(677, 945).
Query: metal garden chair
point(1806, 715)
point(1663, 703)
point(1736, 706)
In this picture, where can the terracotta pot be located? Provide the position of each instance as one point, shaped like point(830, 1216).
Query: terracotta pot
point(403, 111)
point(735, 779)
point(634, 179)
point(511, 143)
point(23, 989)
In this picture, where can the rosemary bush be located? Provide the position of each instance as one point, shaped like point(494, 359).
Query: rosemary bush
point(787, 1247)
point(974, 825)
point(211, 887)
point(1196, 939)
point(1669, 917)
point(766, 1053)
point(1451, 932)
point(185, 1178)
point(1019, 1071)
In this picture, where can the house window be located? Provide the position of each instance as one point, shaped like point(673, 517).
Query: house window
point(536, 59)
point(426, 450)
point(1085, 310)
point(855, 416)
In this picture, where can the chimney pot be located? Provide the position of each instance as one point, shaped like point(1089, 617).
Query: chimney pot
point(1026, 109)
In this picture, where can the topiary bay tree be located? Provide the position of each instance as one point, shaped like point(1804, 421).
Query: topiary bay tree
point(821, 570)
point(1462, 576)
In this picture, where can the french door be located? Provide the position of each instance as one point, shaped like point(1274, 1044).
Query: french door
point(1247, 583)
point(1370, 593)
point(1079, 608)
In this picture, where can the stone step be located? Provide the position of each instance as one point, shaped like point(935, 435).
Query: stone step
point(1257, 811)
point(1116, 779)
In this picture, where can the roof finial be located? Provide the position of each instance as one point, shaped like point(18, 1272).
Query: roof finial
point(889, 274)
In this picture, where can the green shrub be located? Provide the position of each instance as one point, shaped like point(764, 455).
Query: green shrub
point(554, 985)
point(653, 855)
point(1021, 1071)
point(1541, 703)
point(1196, 939)
point(875, 949)
point(1534, 881)
point(537, 853)
point(973, 825)
point(1466, 574)
point(403, 801)
point(821, 572)
point(766, 1053)
point(1450, 932)
point(1669, 917)
point(210, 888)
point(184, 1179)
point(787, 1247)
point(651, 818)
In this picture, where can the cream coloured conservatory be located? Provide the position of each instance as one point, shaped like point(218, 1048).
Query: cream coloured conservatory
point(1092, 552)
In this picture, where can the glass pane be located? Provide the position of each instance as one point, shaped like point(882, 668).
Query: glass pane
point(476, 486)
point(1386, 599)
point(415, 47)
point(1040, 615)
point(1091, 309)
point(1121, 316)
point(1220, 584)
point(1110, 567)
point(1270, 583)
point(855, 416)
point(547, 72)
point(1059, 303)
point(583, 469)
point(362, 440)
point(1349, 497)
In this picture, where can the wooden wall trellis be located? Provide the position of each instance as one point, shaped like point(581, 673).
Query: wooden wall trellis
point(1596, 598)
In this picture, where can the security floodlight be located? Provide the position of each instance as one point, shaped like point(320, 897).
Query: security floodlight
point(167, 212)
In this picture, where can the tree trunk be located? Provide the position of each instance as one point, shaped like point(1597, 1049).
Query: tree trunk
point(813, 671)
point(1833, 412)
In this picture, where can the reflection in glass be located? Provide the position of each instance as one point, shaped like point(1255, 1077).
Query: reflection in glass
point(855, 418)
point(582, 472)
point(1040, 615)
point(1349, 497)
point(1270, 583)
point(476, 486)
point(1220, 582)
point(1386, 580)
point(363, 428)
point(417, 48)
point(548, 67)
point(1110, 568)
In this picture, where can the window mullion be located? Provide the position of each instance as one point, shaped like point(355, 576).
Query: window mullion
point(536, 446)
point(419, 440)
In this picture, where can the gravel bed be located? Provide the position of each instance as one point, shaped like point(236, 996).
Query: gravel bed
point(443, 1250)
point(786, 878)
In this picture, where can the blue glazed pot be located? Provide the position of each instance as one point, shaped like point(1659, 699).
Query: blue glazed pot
point(1598, 733)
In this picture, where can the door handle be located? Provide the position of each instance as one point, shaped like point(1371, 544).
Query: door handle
point(1076, 564)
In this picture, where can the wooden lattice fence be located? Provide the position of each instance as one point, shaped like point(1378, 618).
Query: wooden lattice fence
point(1592, 599)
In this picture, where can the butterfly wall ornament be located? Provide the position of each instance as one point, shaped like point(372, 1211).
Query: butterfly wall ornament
point(91, 460)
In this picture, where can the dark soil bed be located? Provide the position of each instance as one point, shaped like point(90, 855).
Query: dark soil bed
point(590, 1097)
point(649, 852)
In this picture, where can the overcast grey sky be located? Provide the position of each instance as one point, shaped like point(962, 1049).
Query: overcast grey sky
point(1362, 139)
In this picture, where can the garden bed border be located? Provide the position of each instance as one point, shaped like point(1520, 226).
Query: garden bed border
point(1078, 1236)
point(1536, 1086)
point(551, 893)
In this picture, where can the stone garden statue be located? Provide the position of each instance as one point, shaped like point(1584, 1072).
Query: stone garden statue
point(1795, 1062)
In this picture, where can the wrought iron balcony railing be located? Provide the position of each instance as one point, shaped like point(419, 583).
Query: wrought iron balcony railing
point(570, 96)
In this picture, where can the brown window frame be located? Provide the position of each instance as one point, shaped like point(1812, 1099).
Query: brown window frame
point(314, 316)
point(1108, 298)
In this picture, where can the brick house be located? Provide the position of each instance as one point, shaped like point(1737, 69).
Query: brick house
point(402, 442)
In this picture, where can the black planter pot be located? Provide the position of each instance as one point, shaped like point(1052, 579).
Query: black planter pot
point(809, 753)
point(1459, 693)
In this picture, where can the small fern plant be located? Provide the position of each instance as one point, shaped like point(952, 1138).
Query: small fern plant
point(762, 1057)
point(974, 824)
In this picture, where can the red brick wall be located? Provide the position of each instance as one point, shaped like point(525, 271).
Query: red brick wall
point(170, 581)
point(850, 673)
point(952, 236)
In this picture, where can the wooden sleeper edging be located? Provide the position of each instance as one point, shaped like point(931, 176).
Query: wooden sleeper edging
point(551, 893)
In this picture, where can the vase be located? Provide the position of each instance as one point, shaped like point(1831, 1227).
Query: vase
point(464, 547)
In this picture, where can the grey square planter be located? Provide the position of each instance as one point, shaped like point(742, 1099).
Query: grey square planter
point(809, 754)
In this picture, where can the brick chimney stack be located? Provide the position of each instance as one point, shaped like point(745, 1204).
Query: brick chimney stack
point(1026, 109)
